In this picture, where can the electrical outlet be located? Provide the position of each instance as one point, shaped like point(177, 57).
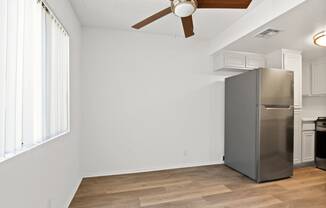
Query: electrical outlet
point(185, 153)
point(49, 203)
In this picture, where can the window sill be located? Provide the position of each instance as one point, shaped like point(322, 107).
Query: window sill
point(34, 146)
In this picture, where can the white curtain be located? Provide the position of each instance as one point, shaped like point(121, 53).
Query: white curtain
point(3, 60)
point(34, 71)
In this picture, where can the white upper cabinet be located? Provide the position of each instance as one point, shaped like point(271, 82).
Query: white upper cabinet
point(313, 74)
point(292, 60)
point(234, 60)
point(306, 79)
point(318, 74)
point(289, 60)
point(254, 61)
point(229, 60)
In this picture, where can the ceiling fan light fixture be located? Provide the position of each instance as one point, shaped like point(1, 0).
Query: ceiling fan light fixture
point(320, 39)
point(184, 8)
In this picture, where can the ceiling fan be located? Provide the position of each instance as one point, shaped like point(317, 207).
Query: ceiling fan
point(185, 8)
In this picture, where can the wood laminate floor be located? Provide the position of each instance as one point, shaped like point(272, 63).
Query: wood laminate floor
point(202, 187)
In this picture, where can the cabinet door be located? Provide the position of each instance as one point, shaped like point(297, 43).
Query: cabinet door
point(306, 79)
point(293, 62)
point(297, 154)
point(234, 60)
point(318, 78)
point(308, 146)
point(254, 61)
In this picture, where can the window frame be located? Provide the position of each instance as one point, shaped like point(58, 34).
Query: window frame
point(27, 148)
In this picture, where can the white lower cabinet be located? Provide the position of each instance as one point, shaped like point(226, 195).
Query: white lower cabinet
point(297, 151)
point(308, 146)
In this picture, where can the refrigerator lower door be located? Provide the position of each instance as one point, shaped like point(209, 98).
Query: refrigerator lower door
point(275, 143)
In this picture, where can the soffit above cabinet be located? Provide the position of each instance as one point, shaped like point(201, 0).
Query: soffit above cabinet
point(297, 28)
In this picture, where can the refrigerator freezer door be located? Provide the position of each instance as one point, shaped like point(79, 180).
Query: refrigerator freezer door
point(276, 87)
point(276, 143)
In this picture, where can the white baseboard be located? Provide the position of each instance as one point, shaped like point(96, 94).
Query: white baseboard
point(142, 170)
point(305, 164)
point(71, 196)
point(296, 161)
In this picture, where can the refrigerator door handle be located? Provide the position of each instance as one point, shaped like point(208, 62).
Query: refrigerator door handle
point(275, 107)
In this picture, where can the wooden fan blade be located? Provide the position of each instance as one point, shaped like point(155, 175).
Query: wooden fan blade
point(188, 26)
point(226, 4)
point(152, 18)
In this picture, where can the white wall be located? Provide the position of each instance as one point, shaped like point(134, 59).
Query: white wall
point(149, 102)
point(47, 176)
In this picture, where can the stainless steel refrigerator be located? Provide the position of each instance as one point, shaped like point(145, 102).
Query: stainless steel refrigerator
point(259, 124)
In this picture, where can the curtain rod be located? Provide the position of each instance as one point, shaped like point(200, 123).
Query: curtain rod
point(50, 11)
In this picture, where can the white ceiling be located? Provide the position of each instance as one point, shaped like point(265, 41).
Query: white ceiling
point(298, 27)
point(122, 14)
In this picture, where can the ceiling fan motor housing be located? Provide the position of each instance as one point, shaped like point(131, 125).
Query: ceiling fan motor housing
point(183, 8)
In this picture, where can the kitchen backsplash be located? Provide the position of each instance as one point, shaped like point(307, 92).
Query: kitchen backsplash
point(314, 106)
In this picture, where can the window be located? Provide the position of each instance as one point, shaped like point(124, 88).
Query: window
point(34, 76)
